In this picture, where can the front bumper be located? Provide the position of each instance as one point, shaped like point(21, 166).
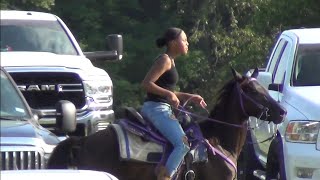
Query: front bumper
point(302, 161)
point(91, 121)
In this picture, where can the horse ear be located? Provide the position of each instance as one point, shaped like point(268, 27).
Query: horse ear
point(255, 73)
point(237, 76)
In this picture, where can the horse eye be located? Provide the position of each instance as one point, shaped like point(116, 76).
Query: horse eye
point(250, 90)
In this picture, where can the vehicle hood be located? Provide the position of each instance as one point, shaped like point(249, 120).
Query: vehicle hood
point(306, 100)
point(25, 129)
point(12, 128)
point(46, 59)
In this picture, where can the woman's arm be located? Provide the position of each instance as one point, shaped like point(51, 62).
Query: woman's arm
point(160, 66)
point(195, 98)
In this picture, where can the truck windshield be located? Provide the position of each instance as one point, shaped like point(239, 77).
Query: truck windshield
point(12, 105)
point(307, 65)
point(39, 36)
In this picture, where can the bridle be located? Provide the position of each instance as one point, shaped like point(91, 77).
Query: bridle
point(263, 109)
point(242, 95)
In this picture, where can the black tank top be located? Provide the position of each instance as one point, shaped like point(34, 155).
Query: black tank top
point(167, 80)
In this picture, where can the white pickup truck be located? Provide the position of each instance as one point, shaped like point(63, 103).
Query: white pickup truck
point(291, 150)
point(46, 62)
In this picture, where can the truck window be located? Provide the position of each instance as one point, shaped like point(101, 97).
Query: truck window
point(280, 71)
point(39, 36)
point(276, 55)
point(307, 66)
point(12, 104)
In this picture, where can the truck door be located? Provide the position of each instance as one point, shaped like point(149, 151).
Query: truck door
point(277, 67)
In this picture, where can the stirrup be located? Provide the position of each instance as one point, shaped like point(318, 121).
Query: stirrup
point(190, 175)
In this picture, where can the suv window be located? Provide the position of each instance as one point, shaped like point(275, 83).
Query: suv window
point(276, 55)
point(281, 67)
point(307, 65)
point(39, 36)
point(12, 104)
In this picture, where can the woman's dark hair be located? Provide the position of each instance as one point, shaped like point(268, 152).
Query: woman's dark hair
point(170, 34)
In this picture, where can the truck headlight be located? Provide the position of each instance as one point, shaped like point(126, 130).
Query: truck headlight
point(98, 91)
point(302, 131)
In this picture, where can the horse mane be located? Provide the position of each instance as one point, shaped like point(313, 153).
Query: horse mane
point(223, 94)
point(214, 129)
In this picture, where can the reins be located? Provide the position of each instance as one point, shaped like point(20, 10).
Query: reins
point(242, 95)
point(264, 110)
point(180, 109)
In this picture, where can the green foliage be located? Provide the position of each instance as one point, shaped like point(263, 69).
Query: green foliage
point(222, 34)
point(30, 5)
point(127, 94)
point(275, 16)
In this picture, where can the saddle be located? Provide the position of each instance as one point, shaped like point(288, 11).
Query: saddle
point(140, 141)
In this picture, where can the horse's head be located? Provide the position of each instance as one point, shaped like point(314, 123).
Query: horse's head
point(255, 99)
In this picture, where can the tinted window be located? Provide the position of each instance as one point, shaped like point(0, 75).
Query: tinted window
point(281, 67)
point(307, 66)
point(277, 53)
point(11, 104)
point(40, 36)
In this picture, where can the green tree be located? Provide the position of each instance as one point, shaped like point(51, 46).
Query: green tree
point(30, 5)
point(222, 33)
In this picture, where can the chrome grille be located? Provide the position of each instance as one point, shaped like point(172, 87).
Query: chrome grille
point(18, 160)
point(43, 90)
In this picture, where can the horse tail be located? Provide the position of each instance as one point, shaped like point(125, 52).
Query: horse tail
point(62, 156)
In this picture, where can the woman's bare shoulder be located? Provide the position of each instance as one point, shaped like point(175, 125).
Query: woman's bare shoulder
point(164, 60)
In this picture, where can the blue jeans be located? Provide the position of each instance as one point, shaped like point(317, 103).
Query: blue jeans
point(161, 116)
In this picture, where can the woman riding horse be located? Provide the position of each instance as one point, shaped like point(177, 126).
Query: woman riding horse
point(225, 129)
point(160, 84)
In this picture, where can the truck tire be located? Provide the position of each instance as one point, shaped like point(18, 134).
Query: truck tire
point(275, 163)
point(247, 161)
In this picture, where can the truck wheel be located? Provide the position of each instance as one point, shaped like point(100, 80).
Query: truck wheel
point(247, 161)
point(275, 165)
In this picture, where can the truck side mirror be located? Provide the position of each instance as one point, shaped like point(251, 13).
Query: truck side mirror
point(115, 43)
point(65, 116)
point(37, 114)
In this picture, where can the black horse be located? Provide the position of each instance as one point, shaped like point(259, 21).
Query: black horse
point(224, 130)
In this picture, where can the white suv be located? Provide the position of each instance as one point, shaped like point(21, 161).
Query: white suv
point(292, 77)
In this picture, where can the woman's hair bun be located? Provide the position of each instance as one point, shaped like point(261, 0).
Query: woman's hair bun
point(170, 34)
point(161, 42)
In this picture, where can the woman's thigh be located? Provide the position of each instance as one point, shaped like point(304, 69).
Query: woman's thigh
point(162, 117)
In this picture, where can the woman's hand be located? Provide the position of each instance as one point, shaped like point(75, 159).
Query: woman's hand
point(173, 100)
point(197, 99)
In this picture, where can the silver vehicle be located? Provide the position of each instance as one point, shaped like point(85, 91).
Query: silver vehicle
point(24, 143)
point(291, 150)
